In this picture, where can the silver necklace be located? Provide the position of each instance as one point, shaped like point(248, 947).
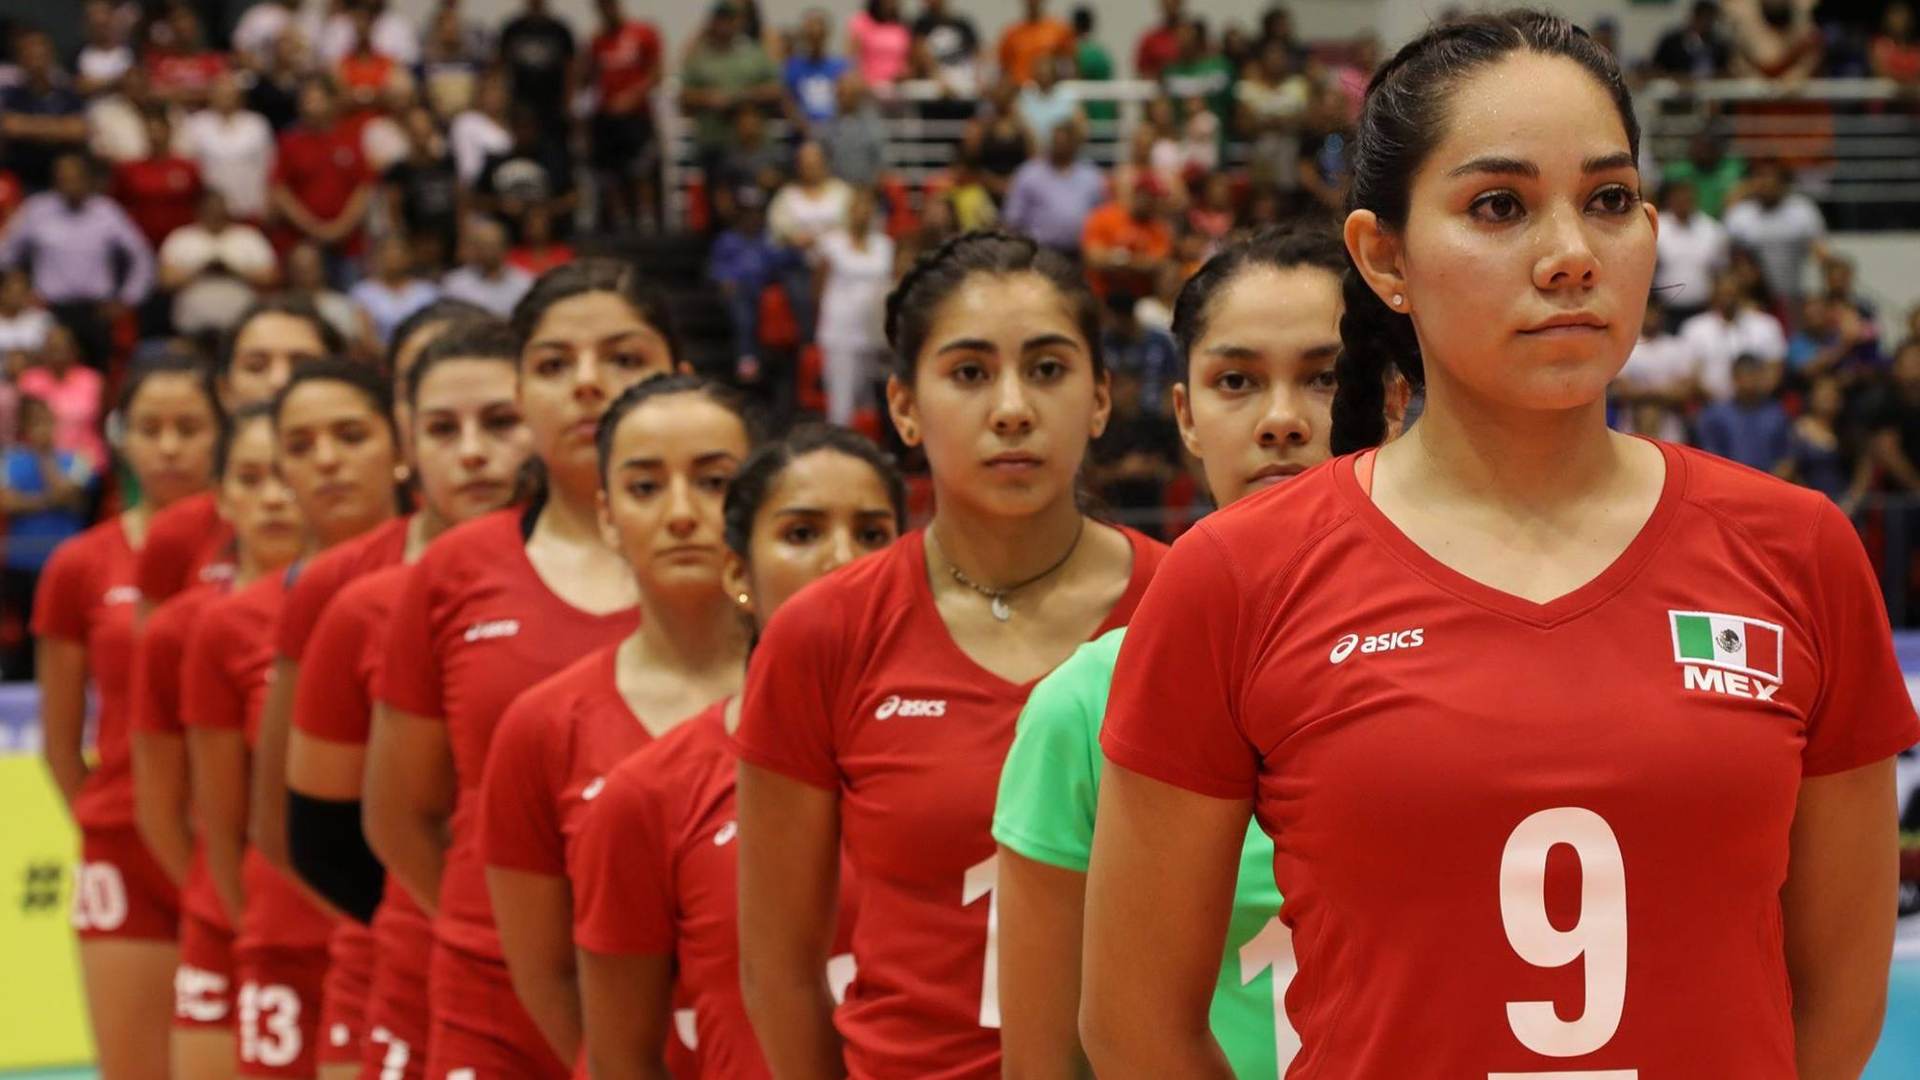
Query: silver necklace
point(997, 598)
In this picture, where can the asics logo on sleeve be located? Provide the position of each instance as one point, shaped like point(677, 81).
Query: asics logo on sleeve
point(121, 594)
point(592, 790)
point(727, 832)
point(1377, 643)
point(493, 628)
point(895, 705)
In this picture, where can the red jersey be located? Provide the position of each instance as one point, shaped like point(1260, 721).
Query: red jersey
point(193, 72)
point(625, 58)
point(159, 194)
point(159, 655)
point(541, 261)
point(474, 628)
point(87, 596)
point(187, 543)
point(1467, 791)
point(321, 170)
point(228, 667)
point(857, 687)
point(317, 581)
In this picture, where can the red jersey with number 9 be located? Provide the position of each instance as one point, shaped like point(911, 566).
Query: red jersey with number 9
point(1519, 839)
point(858, 687)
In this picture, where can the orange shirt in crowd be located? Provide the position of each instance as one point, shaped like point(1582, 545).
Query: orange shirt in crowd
point(1113, 228)
point(1026, 43)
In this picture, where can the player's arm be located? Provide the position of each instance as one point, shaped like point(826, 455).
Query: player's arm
point(1163, 870)
point(789, 893)
point(161, 800)
point(217, 760)
point(627, 1006)
point(267, 819)
point(1040, 938)
point(1838, 916)
point(409, 800)
point(534, 913)
point(60, 667)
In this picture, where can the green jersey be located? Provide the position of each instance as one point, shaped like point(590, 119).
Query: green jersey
point(1048, 791)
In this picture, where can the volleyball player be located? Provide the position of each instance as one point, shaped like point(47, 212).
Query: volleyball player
point(1513, 691)
point(493, 607)
point(880, 704)
point(467, 446)
point(652, 861)
point(126, 906)
point(188, 542)
point(668, 447)
point(1258, 330)
point(336, 452)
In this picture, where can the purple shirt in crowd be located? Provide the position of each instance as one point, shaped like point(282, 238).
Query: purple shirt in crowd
point(73, 250)
point(1051, 205)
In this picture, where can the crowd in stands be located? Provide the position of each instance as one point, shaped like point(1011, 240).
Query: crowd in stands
point(164, 176)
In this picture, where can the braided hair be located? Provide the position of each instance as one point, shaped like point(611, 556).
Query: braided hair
point(940, 273)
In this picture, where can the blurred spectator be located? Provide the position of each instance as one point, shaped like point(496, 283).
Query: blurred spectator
point(1782, 227)
point(1277, 25)
point(751, 164)
point(23, 324)
point(258, 33)
point(1325, 169)
point(233, 147)
point(485, 279)
point(879, 43)
point(45, 500)
point(179, 62)
point(214, 267)
point(724, 70)
point(937, 225)
point(535, 173)
point(950, 54)
point(812, 205)
point(1353, 76)
point(383, 133)
point(1837, 273)
point(1238, 46)
point(1818, 455)
point(856, 139)
point(422, 190)
point(1895, 53)
point(389, 33)
point(743, 263)
point(812, 74)
point(106, 56)
point(393, 291)
point(1715, 175)
point(1896, 423)
point(1050, 197)
point(1036, 36)
point(1833, 339)
point(1046, 102)
point(1693, 251)
point(117, 120)
point(1160, 45)
point(968, 201)
point(1199, 72)
point(1144, 353)
point(363, 72)
point(451, 64)
point(1660, 381)
point(1212, 214)
point(1272, 101)
point(1092, 63)
point(73, 393)
point(998, 141)
point(855, 265)
point(90, 264)
point(307, 278)
point(40, 118)
point(1751, 428)
point(1125, 242)
point(275, 92)
point(1775, 39)
point(1695, 50)
point(481, 132)
point(537, 51)
point(321, 186)
point(160, 192)
point(1155, 310)
point(1731, 327)
point(1605, 32)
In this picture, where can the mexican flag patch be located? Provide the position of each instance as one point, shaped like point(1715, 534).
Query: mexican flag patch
point(1733, 642)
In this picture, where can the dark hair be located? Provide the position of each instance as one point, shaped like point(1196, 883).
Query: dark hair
point(29, 403)
point(169, 363)
point(229, 431)
point(443, 310)
point(475, 337)
point(360, 377)
point(291, 305)
point(592, 275)
point(938, 274)
point(1403, 117)
point(767, 464)
point(1275, 247)
point(666, 386)
point(1083, 17)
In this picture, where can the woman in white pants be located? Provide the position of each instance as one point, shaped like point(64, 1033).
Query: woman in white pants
point(855, 265)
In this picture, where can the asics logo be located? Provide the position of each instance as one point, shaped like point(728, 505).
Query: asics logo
point(121, 594)
point(895, 705)
point(1377, 643)
point(727, 832)
point(493, 628)
point(592, 790)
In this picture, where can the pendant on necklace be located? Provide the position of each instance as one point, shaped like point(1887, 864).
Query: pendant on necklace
point(1000, 609)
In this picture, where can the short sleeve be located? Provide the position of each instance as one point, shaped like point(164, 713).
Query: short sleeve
point(208, 696)
point(314, 586)
point(63, 600)
point(520, 825)
point(789, 707)
point(157, 657)
point(1172, 713)
point(411, 680)
point(166, 558)
point(1863, 713)
point(332, 700)
point(621, 868)
point(1050, 784)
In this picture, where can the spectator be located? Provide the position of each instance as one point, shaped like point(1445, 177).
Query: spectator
point(363, 73)
point(307, 279)
point(422, 190)
point(1775, 39)
point(74, 393)
point(1325, 169)
point(1035, 37)
point(450, 64)
point(106, 57)
point(390, 33)
point(1143, 353)
point(393, 291)
point(1211, 216)
point(214, 267)
point(1092, 64)
point(1353, 76)
point(743, 263)
point(486, 280)
point(45, 500)
point(160, 192)
point(1833, 340)
point(1693, 251)
point(998, 140)
point(1717, 177)
point(1660, 381)
point(968, 203)
point(537, 51)
point(855, 265)
point(321, 185)
point(938, 224)
point(23, 323)
point(539, 250)
point(1751, 428)
point(879, 43)
point(1782, 227)
point(1695, 50)
point(1896, 424)
point(949, 47)
point(814, 204)
point(481, 132)
point(275, 92)
point(1731, 327)
point(1047, 103)
point(90, 264)
point(179, 63)
point(258, 33)
point(1819, 457)
point(40, 119)
point(1838, 272)
point(625, 62)
point(234, 149)
point(117, 121)
point(856, 140)
point(1160, 46)
point(1895, 53)
point(751, 165)
point(1155, 310)
point(1277, 25)
point(1199, 72)
point(1050, 197)
point(1125, 243)
point(724, 70)
point(812, 74)
point(1272, 102)
point(535, 172)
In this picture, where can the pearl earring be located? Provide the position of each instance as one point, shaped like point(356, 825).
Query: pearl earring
point(743, 599)
point(1398, 300)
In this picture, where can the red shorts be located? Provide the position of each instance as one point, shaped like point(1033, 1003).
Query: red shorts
point(480, 1031)
point(343, 1016)
point(279, 1010)
point(203, 984)
point(397, 1019)
point(120, 891)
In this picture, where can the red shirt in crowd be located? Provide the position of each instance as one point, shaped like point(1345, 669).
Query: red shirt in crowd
point(857, 687)
point(187, 543)
point(173, 73)
point(1158, 48)
point(160, 194)
point(322, 170)
point(1466, 790)
point(319, 580)
point(87, 596)
point(626, 58)
point(539, 261)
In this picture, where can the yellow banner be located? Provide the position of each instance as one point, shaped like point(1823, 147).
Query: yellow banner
point(43, 1015)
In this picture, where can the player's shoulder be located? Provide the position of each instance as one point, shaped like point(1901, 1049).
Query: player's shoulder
point(176, 614)
point(375, 590)
point(186, 522)
point(855, 599)
point(672, 766)
point(475, 543)
point(325, 573)
point(557, 701)
point(1779, 517)
point(1265, 532)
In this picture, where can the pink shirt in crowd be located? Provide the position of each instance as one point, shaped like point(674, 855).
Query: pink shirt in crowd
point(75, 402)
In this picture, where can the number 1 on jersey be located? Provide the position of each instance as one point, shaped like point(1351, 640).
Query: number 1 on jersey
point(983, 879)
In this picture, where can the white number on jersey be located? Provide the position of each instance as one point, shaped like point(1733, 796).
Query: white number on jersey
point(983, 879)
point(99, 897)
point(269, 1025)
point(1272, 948)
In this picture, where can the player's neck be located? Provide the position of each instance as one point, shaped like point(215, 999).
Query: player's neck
point(997, 551)
point(571, 512)
point(698, 636)
point(1468, 449)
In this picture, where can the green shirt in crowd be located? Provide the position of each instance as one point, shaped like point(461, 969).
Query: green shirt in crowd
point(735, 70)
point(1092, 64)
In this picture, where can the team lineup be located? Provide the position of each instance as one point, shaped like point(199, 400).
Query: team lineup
point(524, 710)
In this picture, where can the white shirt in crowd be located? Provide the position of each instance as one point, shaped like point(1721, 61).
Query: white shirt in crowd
point(1718, 342)
point(117, 132)
point(497, 293)
point(220, 264)
point(259, 30)
point(1781, 238)
point(394, 37)
point(853, 301)
point(1664, 364)
point(474, 137)
point(235, 154)
point(104, 65)
point(795, 214)
point(25, 332)
point(1692, 254)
